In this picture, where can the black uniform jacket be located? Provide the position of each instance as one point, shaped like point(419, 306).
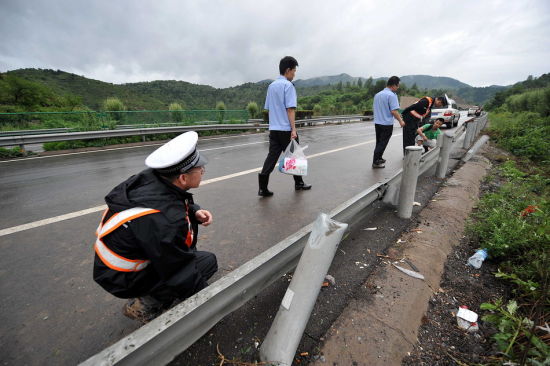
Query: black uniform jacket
point(421, 107)
point(158, 237)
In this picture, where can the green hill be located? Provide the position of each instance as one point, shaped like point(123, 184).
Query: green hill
point(157, 95)
point(521, 87)
point(433, 82)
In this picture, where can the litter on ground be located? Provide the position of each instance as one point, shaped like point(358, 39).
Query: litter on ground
point(409, 272)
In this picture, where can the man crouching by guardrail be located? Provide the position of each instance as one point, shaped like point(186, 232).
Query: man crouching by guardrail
point(427, 134)
point(145, 249)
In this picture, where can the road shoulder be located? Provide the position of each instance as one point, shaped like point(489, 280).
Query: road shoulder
point(380, 329)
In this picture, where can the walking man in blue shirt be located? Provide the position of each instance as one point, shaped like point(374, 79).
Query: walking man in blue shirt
point(385, 106)
point(281, 102)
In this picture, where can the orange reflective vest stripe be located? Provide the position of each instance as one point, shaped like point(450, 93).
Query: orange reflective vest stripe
point(107, 256)
point(189, 238)
point(430, 101)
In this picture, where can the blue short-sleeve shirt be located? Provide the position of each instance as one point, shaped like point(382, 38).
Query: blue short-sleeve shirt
point(385, 101)
point(281, 94)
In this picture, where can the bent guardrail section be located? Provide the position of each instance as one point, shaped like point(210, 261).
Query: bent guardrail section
point(159, 341)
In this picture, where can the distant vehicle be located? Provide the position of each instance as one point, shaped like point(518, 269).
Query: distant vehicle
point(449, 113)
point(478, 111)
point(472, 110)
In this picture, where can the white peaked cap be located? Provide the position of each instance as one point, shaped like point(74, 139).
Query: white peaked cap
point(177, 155)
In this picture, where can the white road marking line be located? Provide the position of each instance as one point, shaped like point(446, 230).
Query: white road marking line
point(51, 220)
point(152, 144)
point(71, 215)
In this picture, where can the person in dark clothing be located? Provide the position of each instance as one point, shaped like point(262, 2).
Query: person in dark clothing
point(386, 109)
point(146, 241)
point(281, 102)
point(414, 114)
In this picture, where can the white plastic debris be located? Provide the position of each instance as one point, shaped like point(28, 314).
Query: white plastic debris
point(409, 272)
point(467, 319)
point(417, 203)
point(370, 228)
point(546, 328)
point(330, 279)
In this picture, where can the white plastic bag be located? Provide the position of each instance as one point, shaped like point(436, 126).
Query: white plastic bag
point(293, 161)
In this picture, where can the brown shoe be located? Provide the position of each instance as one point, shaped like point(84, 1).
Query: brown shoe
point(142, 309)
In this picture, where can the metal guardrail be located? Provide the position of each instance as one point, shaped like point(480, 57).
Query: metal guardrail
point(159, 341)
point(88, 135)
point(34, 132)
point(23, 139)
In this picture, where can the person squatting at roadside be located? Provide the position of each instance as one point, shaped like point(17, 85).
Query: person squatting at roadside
point(281, 102)
point(427, 134)
point(385, 107)
point(145, 249)
point(413, 115)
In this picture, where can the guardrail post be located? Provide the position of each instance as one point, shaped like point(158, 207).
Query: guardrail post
point(484, 118)
point(282, 340)
point(408, 181)
point(478, 126)
point(482, 140)
point(444, 155)
point(470, 131)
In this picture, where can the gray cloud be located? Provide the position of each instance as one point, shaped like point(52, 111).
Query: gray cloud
point(224, 43)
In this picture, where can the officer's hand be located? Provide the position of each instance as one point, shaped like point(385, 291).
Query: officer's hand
point(204, 217)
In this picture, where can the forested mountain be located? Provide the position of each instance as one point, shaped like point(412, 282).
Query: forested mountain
point(157, 95)
point(474, 95)
point(433, 82)
point(327, 80)
point(532, 84)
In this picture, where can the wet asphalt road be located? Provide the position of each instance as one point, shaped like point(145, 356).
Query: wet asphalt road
point(53, 312)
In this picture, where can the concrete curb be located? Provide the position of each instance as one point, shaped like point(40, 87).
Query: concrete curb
point(381, 329)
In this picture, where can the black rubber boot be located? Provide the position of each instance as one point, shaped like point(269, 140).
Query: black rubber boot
point(299, 184)
point(263, 181)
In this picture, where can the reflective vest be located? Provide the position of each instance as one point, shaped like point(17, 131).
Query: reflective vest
point(430, 101)
point(107, 256)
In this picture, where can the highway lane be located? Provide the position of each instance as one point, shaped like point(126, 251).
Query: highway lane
point(52, 311)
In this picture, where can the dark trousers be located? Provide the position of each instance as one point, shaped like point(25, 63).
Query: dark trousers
point(383, 135)
point(205, 264)
point(278, 141)
point(409, 131)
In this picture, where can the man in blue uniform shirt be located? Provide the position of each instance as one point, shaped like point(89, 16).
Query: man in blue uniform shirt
point(281, 102)
point(386, 108)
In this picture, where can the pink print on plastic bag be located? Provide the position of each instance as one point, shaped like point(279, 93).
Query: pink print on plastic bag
point(290, 164)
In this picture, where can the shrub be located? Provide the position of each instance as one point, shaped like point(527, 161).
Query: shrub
point(252, 108)
point(317, 110)
point(176, 112)
point(114, 106)
point(367, 112)
point(304, 114)
point(220, 107)
point(523, 134)
point(11, 153)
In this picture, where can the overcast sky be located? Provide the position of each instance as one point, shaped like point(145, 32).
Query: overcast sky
point(227, 43)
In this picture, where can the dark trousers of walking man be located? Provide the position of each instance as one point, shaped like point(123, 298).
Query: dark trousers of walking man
point(383, 135)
